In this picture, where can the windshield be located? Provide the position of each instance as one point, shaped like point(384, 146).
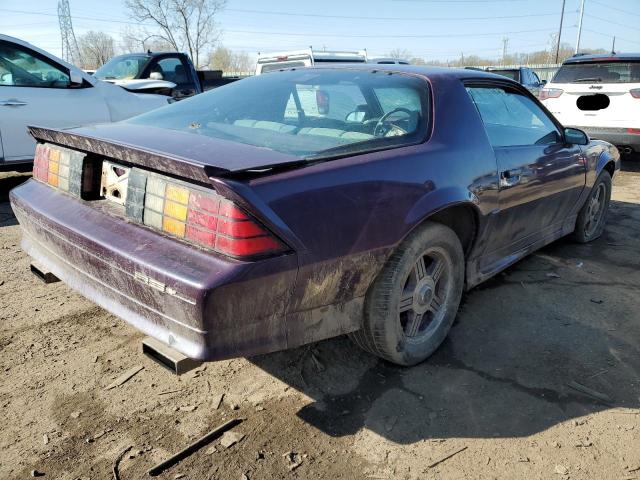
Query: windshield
point(512, 74)
point(307, 113)
point(599, 72)
point(124, 67)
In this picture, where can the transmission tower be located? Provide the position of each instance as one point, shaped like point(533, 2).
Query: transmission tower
point(70, 50)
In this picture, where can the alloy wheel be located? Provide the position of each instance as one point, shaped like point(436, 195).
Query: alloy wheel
point(595, 210)
point(424, 295)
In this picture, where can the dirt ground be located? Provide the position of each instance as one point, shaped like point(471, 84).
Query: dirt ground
point(500, 394)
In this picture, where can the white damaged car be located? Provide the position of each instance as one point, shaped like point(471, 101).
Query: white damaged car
point(37, 88)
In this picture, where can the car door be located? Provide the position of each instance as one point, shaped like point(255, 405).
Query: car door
point(173, 69)
point(35, 90)
point(532, 81)
point(541, 176)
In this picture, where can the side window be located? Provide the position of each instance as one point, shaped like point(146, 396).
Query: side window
point(20, 68)
point(512, 119)
point(536, 78)
point(326, 101)
point(171, 69)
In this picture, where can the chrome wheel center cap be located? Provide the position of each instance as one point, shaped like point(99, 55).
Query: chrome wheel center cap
point(423, 295)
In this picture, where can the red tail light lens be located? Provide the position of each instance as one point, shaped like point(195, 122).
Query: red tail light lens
point(205, 218)
point(633, 131)
point(546, 93)
point(635, 93)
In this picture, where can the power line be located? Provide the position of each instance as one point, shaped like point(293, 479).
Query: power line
point(421, 19)
point(462, 1)
point(338, 35)
point(611, 21)
point(609, 35)
point(307, 34)
point(615, 8)
point(75, 16)
point(264, 12)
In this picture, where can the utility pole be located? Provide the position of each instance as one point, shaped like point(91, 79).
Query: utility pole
point(613, 47)
point(580, 26)
point(560, 32)
point(505, 42)
point(70, 50)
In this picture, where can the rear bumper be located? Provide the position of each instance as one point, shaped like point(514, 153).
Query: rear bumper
point(204, 305)
point(615, 136)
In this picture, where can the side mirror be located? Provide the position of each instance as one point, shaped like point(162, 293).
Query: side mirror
point(75, 79)
point(543, 83)
point(355, 117)
point(156, 76)
point(575, 136)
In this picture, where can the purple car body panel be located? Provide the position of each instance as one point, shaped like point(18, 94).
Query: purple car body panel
point(341, 219)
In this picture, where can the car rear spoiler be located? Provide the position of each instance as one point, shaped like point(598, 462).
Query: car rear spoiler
point(153, 160)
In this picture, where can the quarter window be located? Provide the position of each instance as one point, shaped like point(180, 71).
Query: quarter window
point(512, 119)
point(19, 68)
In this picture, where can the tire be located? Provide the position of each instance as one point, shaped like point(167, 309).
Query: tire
point(410, 307)
point(593, 214)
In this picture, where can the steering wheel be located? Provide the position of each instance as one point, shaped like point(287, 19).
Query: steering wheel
point(385, 126)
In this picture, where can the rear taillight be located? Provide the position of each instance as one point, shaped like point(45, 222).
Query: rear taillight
point(59, 167)
point(205, 218)
point(635, 93)
point(546, 93)
point(633, 131)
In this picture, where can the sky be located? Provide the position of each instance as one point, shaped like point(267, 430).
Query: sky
point(432, 29)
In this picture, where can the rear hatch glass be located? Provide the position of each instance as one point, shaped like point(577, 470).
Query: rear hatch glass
point(512, 74)
point(599, 72)
point(307, 113)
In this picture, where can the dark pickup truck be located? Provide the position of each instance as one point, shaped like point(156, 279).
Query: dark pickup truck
point(523, 75)
point(167, 73)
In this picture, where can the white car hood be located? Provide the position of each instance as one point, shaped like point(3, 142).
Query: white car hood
point(142, 84)
point(124, 104)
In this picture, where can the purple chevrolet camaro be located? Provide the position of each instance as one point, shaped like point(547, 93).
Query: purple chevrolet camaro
point(304, 204)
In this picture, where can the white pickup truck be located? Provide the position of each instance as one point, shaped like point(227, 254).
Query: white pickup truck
point(268, 62)
point(37, 88)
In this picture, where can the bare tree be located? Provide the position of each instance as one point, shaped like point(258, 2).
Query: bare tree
point(134, 40)
point(184, 24)
point(399, 53)
point(222, 58)
point(96, 48)
point(417, 61)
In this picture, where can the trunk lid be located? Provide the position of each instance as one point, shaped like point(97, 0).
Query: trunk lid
point(184, 154)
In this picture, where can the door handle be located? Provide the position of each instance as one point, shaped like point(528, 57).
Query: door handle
point(12, 103)
point(510, 178)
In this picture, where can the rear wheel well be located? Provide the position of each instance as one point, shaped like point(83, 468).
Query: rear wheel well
point(462, 219)
point(610, 167)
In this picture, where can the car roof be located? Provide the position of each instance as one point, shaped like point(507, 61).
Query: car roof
point(148, 54)
point(425, 71)
point(6, 38)
point(600, 57)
